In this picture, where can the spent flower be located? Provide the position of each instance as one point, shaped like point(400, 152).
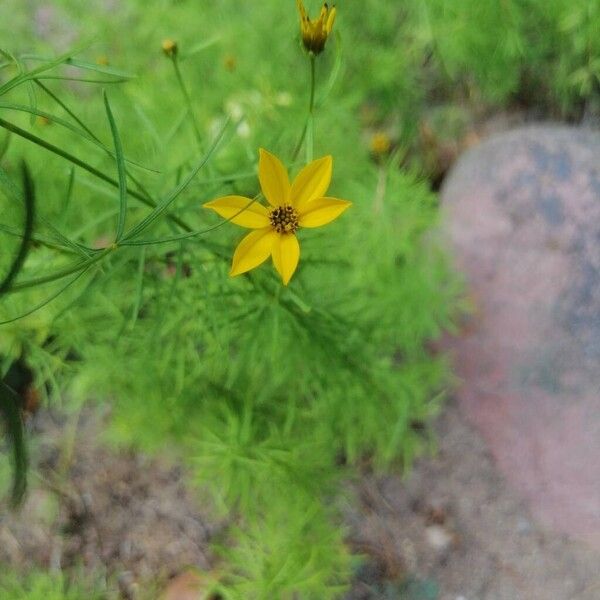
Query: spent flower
point(301, 203)
point(315, 32)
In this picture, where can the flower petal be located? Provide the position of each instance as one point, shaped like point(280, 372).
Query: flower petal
point(312, 182)
point(322, 211)
point(253, 250)
point(273, 178)
point(241, 211)
point(330, 21)
point(301, 10)
point(286, 253)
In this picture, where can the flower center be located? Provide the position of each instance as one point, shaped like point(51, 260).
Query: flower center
point(284, 219)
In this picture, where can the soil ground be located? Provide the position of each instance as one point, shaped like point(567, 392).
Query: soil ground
point(456, 523)
point(452, 530)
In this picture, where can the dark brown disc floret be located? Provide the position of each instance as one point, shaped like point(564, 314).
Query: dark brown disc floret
point(284, 219)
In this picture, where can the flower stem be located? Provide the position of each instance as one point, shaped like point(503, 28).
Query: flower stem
point(187, 99)
point(310, 134)
point(308, 125)
point(311, 104)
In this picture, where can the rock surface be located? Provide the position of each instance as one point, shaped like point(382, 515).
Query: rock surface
point(524, 218)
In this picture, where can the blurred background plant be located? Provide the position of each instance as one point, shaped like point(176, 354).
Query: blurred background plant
point(270, 395)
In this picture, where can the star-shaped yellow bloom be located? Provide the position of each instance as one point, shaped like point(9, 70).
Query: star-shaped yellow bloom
point(315, 31)
point(300, 204)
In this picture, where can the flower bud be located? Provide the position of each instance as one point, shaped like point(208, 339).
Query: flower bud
point(315, 32)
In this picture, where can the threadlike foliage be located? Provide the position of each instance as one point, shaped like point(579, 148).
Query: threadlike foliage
point(264, 391)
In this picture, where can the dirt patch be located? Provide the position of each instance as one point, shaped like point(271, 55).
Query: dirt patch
point(454, 527)
point(453, 530)
point(123, 513)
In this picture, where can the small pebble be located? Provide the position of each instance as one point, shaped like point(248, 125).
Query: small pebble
point(438, 537)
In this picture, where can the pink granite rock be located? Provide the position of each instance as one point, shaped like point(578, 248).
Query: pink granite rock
point(524, 217)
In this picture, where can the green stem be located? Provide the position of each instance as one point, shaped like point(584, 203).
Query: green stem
point(311, 108)
point(188, 100)
point(311, 104)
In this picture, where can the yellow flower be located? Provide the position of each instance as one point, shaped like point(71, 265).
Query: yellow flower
point(315, 31)
point(300, 204)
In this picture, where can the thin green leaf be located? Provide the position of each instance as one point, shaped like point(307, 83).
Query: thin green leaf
point(4, 145)
point(56, 150)
point(91, 134)
point(186, 236)
point(69, 193)
point(164, 204)
point(29, 202)
point(47, 301)
point(104, 69)
point(12, 60)
point(76, 248)
point(61, 273)
point(37, 238)
point(30, 75)
point(93, 223)
point(227, 178)
point(64, 242)
point(188, 101)
point(56, 99)
point(10, 408)
point(81, 79)
point(200, 48)
point(56, 120)
point(87, 167)
point(84, 65)
point(32, 101)
point(135, 311)
point(120, 170)
point(335, 71)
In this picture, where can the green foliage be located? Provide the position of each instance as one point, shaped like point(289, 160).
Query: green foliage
point(543, 51)
point(293, 551)
point(45, 586)
point(125, 298)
